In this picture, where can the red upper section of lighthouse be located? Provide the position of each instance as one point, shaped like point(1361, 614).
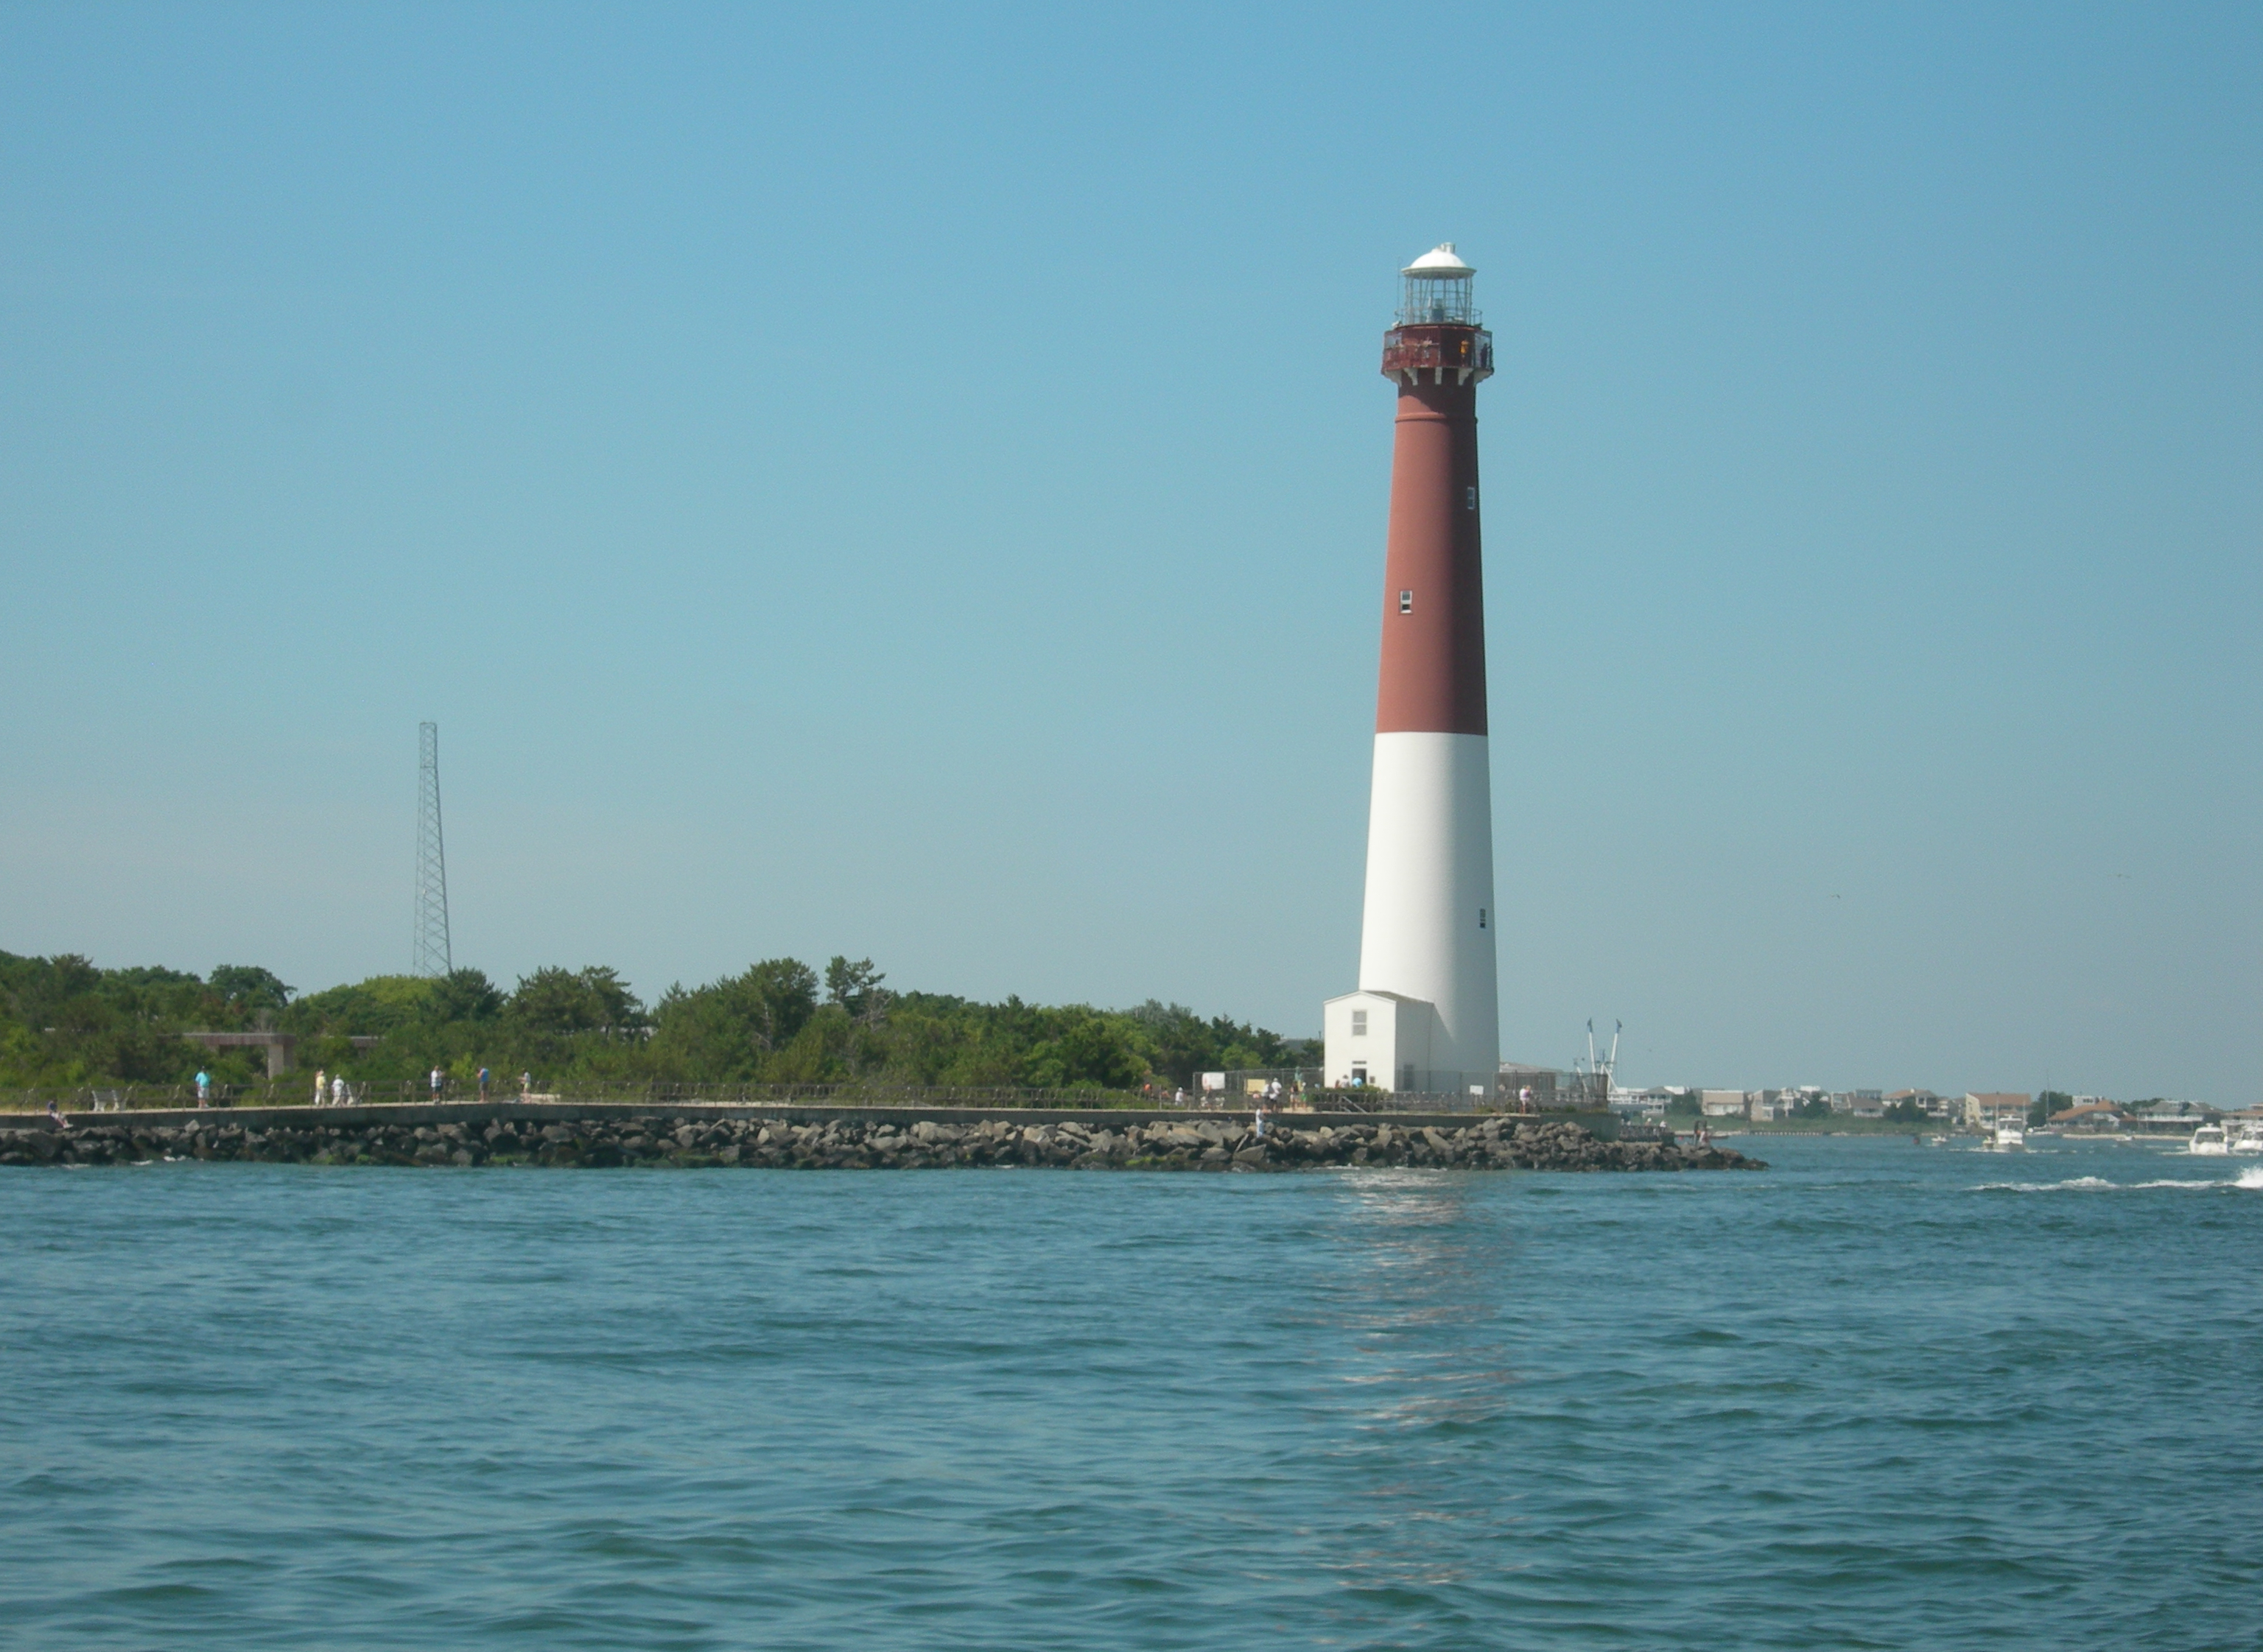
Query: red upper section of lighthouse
point(1440, 354)
point(1433, 679)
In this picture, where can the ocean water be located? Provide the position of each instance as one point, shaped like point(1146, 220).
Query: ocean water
point(1880, 1395)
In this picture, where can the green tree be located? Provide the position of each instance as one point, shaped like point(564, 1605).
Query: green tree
point(248, 986)
point(464, 995)
point(731, 1027)
point(590, 1000)
point(1086, 1051)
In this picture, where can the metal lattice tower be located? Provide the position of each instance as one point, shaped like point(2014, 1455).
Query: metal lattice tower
point(432, 956)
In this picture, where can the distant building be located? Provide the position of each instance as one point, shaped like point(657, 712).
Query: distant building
point(2173, 1118)
point(1721, 1104)
point(1647, 1106)
point(1985, 1109)
point(2088, 1118)
point(1926, 1102)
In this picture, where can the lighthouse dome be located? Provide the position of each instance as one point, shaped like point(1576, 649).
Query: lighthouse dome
point(1440, 263)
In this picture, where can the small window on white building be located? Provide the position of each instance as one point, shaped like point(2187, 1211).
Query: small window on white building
point(1481, 917)
point(1405, 601)
point(1473, 500)
point(1359, 1023)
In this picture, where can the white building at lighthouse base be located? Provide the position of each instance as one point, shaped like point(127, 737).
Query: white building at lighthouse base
point(1386, 1041)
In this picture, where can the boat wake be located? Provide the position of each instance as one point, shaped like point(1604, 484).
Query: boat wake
point(2249, 1180)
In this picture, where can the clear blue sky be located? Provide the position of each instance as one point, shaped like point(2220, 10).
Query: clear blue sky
point(911, 482)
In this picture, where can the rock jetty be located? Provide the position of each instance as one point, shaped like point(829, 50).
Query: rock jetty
point(659, 1138)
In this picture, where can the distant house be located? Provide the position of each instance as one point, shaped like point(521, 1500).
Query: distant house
point(2173, 1118)
point(1985, 1109)
point(1648, 1106)
point(2087, 1118)
point(1721, 1104)
point(1863, 1104)
point(1926, 1102)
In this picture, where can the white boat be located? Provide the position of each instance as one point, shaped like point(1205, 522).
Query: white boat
point(2249, 1139)
point(2208, 1142)
point(2009, 1136)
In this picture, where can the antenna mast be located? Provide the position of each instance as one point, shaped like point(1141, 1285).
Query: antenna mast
point(431, 949)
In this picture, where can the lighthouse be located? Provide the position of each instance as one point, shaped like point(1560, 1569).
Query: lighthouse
point(1426, 1017)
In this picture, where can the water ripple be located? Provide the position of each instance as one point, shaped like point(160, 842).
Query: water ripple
point(1858, 1402)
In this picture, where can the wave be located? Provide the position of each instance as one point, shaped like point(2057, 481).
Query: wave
point(2249, 1180)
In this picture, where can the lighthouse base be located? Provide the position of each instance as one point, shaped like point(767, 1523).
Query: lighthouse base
point(1427, 934)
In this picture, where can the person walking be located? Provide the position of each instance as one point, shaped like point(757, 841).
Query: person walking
point(338, 1090)
point(525, 1085)
point(322, 1082)
point(204, 1089)
point(435, 1085)
point(483, 1084)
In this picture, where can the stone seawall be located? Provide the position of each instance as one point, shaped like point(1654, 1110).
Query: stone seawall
point(810, 1139)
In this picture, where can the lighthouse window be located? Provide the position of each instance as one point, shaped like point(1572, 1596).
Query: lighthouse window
point(1405, 601)
point(1359, 1023)
point(1470, 500)
point(1480, 917)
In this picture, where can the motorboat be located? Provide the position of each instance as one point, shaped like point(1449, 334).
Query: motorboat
point(2010, 1138)
point(2208, 1142)
point(2249, 1139)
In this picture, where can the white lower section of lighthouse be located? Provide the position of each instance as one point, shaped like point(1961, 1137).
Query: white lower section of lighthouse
point(1427, 1015)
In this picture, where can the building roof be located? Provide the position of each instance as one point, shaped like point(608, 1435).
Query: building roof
point(1440, 262)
